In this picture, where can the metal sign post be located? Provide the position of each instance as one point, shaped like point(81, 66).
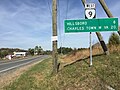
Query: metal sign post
point(90, 14)
point(91, 25)
point(90, 48)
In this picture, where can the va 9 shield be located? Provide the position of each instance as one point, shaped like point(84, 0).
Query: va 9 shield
point(90, 13)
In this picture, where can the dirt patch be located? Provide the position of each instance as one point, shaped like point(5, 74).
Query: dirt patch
point(83, 54)
point(10, 76)
point(38, 76)
point(80, 55)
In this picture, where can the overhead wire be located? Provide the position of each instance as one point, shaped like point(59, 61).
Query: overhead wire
point(59, 26)
point(67, 9)
point(66, 17)
point(59, 19)
point(48, 5)
point(62, 38)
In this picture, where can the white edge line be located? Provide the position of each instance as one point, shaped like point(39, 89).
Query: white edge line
point(17, 66)
point(17, 61)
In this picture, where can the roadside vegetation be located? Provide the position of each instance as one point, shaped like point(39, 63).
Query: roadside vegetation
point(104, 74)
point(38, 50)
point(75, 73)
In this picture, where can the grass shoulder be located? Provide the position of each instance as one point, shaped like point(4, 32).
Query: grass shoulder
point(104, 73)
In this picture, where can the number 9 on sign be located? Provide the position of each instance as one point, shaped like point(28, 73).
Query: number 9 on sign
point(90, 13)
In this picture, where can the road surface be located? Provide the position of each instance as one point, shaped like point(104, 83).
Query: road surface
point(9, 65)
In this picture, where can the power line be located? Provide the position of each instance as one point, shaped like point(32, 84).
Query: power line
point(48, 5)
point(59, 24)
point(67, 9)
point(66, 17)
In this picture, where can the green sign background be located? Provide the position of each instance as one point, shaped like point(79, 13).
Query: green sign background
point(91, 25)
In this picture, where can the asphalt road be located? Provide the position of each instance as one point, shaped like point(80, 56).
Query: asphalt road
point(9, 65)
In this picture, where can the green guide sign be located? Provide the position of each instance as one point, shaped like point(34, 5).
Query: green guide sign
point(91, 25)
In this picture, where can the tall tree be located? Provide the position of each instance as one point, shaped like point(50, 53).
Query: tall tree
point(3, 53)
point(38, 50)
point(31, 51)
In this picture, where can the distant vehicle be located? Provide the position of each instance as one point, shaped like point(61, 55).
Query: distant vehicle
point(9, 57)
point(19, 54)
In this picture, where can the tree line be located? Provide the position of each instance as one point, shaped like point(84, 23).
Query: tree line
point(9, 51)
point(114, 40)
point(35, 51)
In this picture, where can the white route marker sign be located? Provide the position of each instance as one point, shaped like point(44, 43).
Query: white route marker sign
point(90, 11)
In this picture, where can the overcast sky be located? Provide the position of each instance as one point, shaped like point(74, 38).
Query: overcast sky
point(27, 23)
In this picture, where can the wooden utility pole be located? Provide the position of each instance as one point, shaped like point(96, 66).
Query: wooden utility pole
point(99, 36)
point(106, 9)
point(54, 37)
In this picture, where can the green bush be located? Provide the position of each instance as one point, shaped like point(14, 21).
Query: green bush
point(64, 50)
point(114, 40)
point(3, 53)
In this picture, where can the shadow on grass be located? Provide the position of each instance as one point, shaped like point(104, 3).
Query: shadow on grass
point(103, 82)
point(84, 59)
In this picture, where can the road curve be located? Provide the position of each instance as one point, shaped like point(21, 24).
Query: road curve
point(6, 66)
